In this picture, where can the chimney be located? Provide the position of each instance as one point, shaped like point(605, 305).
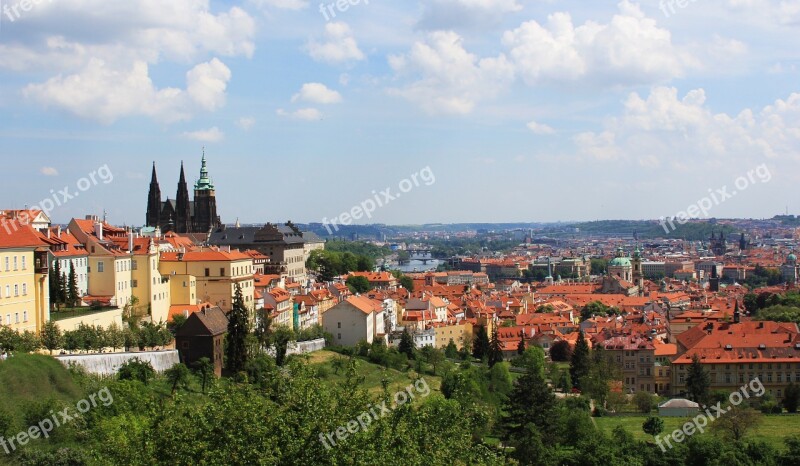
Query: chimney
point(58, 231)
point(98, 230)
point(130, 243)
point(737, 317)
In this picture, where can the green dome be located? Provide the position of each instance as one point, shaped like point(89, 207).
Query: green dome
point(620, 262)
point(791, 258)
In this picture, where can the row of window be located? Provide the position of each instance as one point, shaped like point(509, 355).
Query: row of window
point(752, 366)
point(16, 317)
point(17, 260)
point(16, 290)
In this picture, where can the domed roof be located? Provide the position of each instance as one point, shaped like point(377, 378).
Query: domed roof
point(620, 262)
point(791, 258)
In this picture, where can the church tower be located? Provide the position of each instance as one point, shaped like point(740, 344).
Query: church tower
point(638, 274)
point(205, 202)
point(153, 201)
point(183, 219)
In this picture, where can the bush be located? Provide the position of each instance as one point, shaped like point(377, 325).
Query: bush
point(578, 403)
point(643, 402)
point(599, 411)
point(136, 369)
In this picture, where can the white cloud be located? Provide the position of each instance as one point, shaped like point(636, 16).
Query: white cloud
point(304, 114)
point(246, 123)
point(318, 94)
point(48, 171)
point(663, 128)
point(339, 47)
point(540, 128)
point(281, 4)
point(630, 49)
point(449, 79)
point(208, 135)
point(106, 94)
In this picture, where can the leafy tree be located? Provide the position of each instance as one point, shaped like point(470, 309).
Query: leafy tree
point(599, 266)
point(205, 370)
point(358, 284)
point(654, 425)
point(565, 382)
point(136, 369)
point(580, 364)
point(521, 347)
point(451, 351)
point(433, 356)
point(406, 344)
point(495, 348)
point(561, 351)
point(737, 422)
point(263, 330)
point(176, 323)
point(115, 336)
point(283, 335)
point(643, 401)
point(601, 372)
point(51, 336)
point(697, 381)
point(791, 397)
point(238, 329)
point(55, 284)
point(597, 308)
point(177, 375)
point(751, 303)
point(73, 296)
point(480, 346)
point(407, 283)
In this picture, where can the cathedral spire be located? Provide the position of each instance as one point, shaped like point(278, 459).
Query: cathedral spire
point(153, 201)
point(182, 206)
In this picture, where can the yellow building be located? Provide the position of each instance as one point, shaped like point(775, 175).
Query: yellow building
point(216, 272)
point(459, 333)
point(24, 288)
point(147, 284)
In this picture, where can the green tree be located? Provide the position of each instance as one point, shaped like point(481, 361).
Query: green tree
point(697, 381)
point(406, 344)
point(737, 422)
point(73, 296)
point(791, 397)
point(653, 426)
point(451, 351)
point(643, 402)
point(115, 336)
point(358, 284)
point(263, 331)
point(55, 284)
point(205, 370)
point(433, 356)
point(177, 375)
point(561, 351)
point(283, 335)
point(238, 330)
point(136, 369)
point(495, 348)
point(580, 364)
point(176, 323)
point(521, 347)
point(51, 336)
point(480, 346)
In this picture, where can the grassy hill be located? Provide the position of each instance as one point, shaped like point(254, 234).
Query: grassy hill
point(26, 378)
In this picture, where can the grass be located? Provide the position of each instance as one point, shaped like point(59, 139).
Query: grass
point(25, 378)
point(772, 429)
point(372, 374)
point(69, 313)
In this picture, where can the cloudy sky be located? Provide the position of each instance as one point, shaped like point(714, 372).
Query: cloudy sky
point(525, 110)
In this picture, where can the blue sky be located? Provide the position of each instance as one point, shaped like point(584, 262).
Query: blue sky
point(525, 110)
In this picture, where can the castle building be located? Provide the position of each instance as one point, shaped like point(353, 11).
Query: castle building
point(182, 215)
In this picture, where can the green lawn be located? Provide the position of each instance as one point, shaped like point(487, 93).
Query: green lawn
point(773, 428)
point(372, 374)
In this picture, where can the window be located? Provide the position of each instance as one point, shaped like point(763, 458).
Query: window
point(24, 289)
point(208, 273)
point(338, 336)
point(134, 283)
point(16, 290)
point(222, 272)
point(7, 266)
point(15, 263)
point(8, 319)
point(23, 263)
point(24, 316)
point(100, 267)
point(8, 291)
point(134, 265)
point(339, 325)
point(16, 317)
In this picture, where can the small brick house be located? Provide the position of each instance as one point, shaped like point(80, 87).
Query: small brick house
point(203, 336)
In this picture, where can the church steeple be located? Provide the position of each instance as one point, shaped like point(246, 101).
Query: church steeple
point(153, 200)
point(204, 183)
point(182, 209)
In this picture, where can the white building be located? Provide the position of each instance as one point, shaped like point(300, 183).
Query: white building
point(356, 319)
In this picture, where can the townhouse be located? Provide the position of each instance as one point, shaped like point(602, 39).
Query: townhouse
point(353, 320)
point(24, 287)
